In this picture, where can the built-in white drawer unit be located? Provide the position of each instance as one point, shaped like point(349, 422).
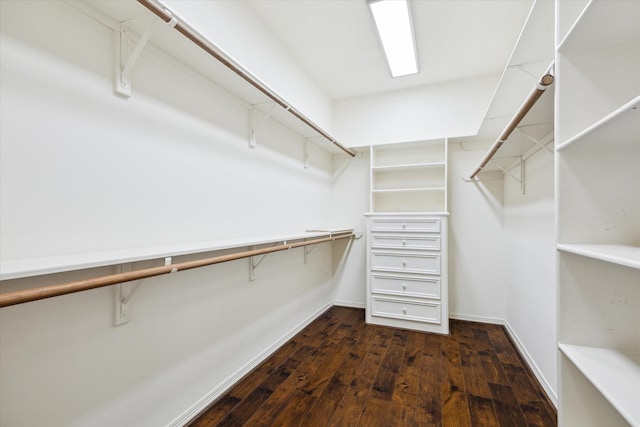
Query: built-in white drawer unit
point(407, 265)
point(424, 286)
point(431, 225)
point(427, 263)
point(392, 241)
point(422, 311)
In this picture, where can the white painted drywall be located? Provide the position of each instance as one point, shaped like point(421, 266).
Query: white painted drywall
point(235, 28)
point(530, 266)
point(83, 170)
point(476, 239)
point(451, 109)
point(350, 200)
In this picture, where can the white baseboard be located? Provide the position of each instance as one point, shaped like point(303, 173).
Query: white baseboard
point(226, 385)
point(532, 365)
point(351, 304)
point(482, 319)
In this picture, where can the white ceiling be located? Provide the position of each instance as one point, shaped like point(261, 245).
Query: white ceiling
point(336, 43)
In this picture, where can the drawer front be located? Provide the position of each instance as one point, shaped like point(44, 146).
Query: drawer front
point(406, 310)
point(431, 225)
point(429, 242)
point(428, 287)
point(412, 263)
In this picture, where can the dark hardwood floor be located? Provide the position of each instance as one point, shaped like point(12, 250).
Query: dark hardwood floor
point(341, 372)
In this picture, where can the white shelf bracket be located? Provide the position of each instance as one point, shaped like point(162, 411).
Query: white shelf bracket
point(253, 264)
point(307, 153)
point(256, 126)
point(307, 251)
point(123, 64)
point(519, 177)
point(542, 143)
point(124, 293)
point(525, 71)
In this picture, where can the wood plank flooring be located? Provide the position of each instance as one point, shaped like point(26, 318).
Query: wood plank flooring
point(341, 372)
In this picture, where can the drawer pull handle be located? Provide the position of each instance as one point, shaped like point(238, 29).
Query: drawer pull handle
point(404, 287)
point(404, 243)
point(404, 225)
point(404, 263)
point(404, 310)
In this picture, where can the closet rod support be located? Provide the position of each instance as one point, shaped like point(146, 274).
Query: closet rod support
point(123, 82)
point(542, 143)
point(253, 265)
point(254, 129)
point(307, 153)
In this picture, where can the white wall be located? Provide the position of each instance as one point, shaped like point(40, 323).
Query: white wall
point(234, 27)
point(83, 170)
point(530, 267)
point(350, 200)
point(476, 239)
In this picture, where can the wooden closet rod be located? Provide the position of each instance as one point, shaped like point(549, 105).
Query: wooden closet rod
point(190, 33)
point(535, 94)
point(34, 294)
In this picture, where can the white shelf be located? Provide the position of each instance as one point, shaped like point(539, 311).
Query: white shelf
point(628, 256)
point(15, 269)
point(173, 43)
point(409, 166)
point(615, 374)
point(620, 128)
point(408, 190)
point(615, 20)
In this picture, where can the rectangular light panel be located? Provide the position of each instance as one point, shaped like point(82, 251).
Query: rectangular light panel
point(393, 21)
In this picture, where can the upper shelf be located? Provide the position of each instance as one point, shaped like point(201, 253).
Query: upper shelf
point(531, 58)
point(15, 269)
point(409, 166)
point(620, 128)
point(614, 20)
point(190, 47)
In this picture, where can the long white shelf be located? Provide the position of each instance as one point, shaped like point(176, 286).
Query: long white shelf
point(615, 374)
point(615, 20)
point(18, 268)
point(409, 166)
point(628, 256)
point(408, 190)
point(620, 128)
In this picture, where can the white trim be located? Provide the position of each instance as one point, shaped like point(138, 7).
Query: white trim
point(472, 318)
point(352, 304)
point(226, 385)
point(551, 394)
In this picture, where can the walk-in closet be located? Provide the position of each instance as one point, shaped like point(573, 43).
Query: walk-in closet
point(319, 213)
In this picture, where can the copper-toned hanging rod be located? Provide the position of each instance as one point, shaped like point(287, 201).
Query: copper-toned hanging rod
point(28, 295)
point(190, 33)
point(535, 94)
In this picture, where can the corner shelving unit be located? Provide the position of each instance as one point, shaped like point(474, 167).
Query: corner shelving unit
point(598, 211)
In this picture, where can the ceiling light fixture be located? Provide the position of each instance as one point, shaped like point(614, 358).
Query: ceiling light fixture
point(395, 30)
